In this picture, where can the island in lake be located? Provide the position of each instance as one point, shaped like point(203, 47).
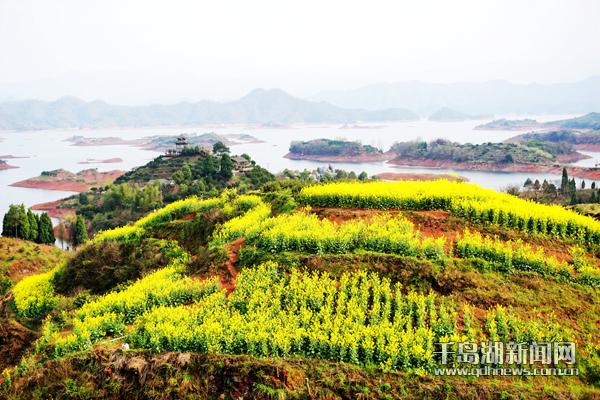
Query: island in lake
point(5, 165)
point(328, 150)
point(532, 156)
point(509, 125)
point(589, 121)
point(589, 140)
point(61, 179)
point(106, 161)
point(161, 143)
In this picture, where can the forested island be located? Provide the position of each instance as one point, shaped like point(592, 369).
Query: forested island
point(335, 151)
point(530, 156)
point(509, 125)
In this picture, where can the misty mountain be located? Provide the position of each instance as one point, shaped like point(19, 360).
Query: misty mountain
point(257, 107)
point(446, 114)
point(493, 97)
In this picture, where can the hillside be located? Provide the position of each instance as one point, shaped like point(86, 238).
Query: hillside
point(20, 259)
point(257, 107)
point(344, 295)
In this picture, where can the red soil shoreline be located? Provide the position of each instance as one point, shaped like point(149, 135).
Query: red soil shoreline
point(107, 161)
point(588, 147)
point(10, 157)
point(556, 169)
point(4, 166)
point(394, 176)
point(52, 185)
point(53, 209)
point(67, 181)
point(352, 159)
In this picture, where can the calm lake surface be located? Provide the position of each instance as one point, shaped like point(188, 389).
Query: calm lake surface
point(48, 150)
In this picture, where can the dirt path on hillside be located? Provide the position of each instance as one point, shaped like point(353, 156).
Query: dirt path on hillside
point(228, 279)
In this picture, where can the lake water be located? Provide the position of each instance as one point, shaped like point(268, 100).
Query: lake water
point(48, 150)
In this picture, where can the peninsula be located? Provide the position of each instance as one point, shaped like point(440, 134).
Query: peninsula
point(60, 179)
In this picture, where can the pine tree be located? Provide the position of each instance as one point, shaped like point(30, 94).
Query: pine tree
point(80, 235)
point(583, 184)
point(9, 222)
point(25, 232)
point(45, 230)
point(226, 170)
point(83, 198)
point(593, 185)
point(572, 186)
point(33, 226)
point(564, 184)
point(573, 200)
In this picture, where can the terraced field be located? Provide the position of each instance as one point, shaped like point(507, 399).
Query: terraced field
point(350, 295)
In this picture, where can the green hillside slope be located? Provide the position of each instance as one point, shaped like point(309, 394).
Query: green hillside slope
point(346, 295)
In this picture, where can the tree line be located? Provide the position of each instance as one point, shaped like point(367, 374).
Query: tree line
point(23, 223)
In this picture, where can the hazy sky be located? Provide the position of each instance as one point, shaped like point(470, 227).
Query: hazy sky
point(127, 51)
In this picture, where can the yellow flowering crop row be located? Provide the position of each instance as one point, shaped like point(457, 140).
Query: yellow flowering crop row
point(462, 199)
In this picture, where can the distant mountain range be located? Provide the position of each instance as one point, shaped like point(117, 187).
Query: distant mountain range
point(271, 107)
point(493, 97)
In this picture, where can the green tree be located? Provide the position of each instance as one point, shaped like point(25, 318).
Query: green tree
point(9, 222)
point(80, 235)
point(573, 200)
point(583, 184)
point(363, 176)
point(148, 198)
point(226, 170)
point(45, 230)
point(16, 223)
point(83, 198)
point(564, 184)
point(33, 225)
point(219, 148)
